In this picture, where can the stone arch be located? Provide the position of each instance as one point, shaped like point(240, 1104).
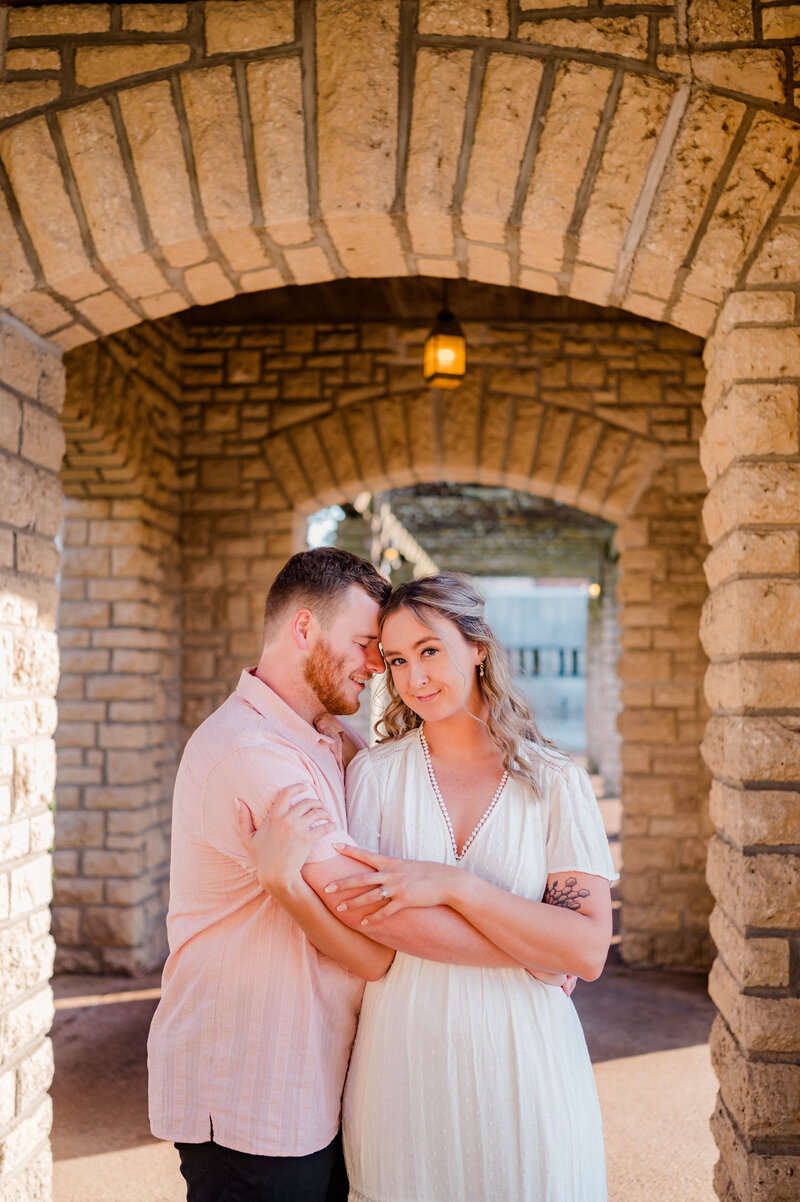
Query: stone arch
point(151, 179)
point(422, 436)
point(633, 160)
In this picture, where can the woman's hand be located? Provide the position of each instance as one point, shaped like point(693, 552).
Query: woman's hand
point(393, 885)
point(280, 846)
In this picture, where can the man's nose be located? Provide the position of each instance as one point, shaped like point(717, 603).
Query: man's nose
point(374, 660)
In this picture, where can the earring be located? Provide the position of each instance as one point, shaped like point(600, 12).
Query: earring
point(480, 670)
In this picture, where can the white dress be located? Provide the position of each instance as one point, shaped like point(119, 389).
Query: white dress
point(473, 1084)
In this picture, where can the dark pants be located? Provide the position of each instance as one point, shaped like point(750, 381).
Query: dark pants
point(217, 1174)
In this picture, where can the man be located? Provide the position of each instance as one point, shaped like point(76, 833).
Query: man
point(249, 1045)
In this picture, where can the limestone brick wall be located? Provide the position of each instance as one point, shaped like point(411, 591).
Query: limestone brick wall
point(629, 157)
point(604, 416)
point(120, 615)
point(31, 445)
point(751, 632)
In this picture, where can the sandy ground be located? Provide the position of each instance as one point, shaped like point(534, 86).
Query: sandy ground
point(646, 1030)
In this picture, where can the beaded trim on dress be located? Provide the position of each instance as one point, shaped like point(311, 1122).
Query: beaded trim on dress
point(459, 855)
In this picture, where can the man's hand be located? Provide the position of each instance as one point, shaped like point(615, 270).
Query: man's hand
point(281, 844)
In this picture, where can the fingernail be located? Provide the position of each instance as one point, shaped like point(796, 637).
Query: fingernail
point(330, 888)
point(338, 846)
point(340, 908)
point(237, 803)
point(365, 922)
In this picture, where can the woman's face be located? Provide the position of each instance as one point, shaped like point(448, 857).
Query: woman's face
point(433, 666)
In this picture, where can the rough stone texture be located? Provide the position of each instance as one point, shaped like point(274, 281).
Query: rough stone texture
point(440, 95)
point(640, 111)
point(119, 698)
point(757, 72)
point(566, 140)
point(507, 103)
point(750, 452)
point(212, 112)
point(30, 158)
point(356, 119)
point(276, 108)
point(96, 65)
point(702, 143)
point(154, 135)
point(393, 166)
point(247, 24)
point(626, 36)
point(31, 445)
point(452, 16)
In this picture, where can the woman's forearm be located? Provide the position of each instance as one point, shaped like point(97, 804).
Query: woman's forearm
point(537, 935)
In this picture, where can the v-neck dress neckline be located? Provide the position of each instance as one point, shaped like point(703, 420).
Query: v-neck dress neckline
point(437, 792)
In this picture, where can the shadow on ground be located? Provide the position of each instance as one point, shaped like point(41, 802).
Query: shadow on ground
point(646, 1030)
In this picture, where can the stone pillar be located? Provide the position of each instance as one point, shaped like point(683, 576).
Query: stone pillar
point(751, 631)
point(31, 446)
point(665, 825)
point(120, 695)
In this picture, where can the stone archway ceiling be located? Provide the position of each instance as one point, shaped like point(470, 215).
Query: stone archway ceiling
point(501, 531)
point(156, 157)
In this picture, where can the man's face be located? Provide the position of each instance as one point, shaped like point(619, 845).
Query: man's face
point(345, 654)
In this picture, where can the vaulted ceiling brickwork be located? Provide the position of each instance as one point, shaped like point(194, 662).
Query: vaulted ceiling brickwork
point(183, 153)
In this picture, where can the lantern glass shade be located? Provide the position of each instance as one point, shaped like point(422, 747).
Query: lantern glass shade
point(444, 362)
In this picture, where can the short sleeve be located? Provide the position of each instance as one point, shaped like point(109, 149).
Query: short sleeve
point(576, 837)
point(256, 775)
point(363, 800)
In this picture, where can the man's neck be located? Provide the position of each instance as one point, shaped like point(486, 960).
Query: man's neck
point(292, 691)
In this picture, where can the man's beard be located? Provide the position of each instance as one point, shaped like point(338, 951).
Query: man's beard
point(324, 673)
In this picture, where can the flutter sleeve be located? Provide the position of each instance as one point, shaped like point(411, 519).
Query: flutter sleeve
point(576, 837)
point(363, 800)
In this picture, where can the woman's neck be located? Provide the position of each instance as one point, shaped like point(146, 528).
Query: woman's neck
point(461, 736)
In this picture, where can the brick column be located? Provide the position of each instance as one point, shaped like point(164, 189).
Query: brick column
point(31, 446)
point(665, 901)
point(120, 692)
point(751, 631)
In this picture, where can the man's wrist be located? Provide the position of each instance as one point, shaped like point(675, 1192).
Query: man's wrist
point(287, 890)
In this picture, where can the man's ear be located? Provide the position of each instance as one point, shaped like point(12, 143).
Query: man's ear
point(303, 624)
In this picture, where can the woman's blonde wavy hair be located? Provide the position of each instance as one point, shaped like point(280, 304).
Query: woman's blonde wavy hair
point(510, 719)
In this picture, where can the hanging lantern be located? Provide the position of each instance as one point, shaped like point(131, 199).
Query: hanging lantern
point(444, 363)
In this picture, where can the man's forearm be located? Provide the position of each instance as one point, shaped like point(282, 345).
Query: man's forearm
point(365, 957)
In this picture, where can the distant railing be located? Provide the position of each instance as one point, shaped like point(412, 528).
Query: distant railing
point(548, 661)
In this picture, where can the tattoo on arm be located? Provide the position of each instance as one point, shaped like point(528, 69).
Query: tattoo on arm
point(566, 895)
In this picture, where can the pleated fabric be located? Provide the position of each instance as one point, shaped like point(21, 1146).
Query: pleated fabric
point(465, 1083)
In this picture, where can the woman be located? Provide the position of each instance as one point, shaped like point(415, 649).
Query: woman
point(469, 1083)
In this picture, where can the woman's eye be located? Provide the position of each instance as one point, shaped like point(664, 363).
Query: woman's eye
point(430, 650)
point(396, 663)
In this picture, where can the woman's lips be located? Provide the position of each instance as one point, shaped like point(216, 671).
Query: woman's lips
point(427, 696)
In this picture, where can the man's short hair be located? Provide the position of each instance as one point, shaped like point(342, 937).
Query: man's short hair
point(317, 580)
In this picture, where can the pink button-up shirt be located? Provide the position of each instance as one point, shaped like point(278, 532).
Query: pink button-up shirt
point(253, 1032)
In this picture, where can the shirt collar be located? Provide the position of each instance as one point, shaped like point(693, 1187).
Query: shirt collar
point(267, 703)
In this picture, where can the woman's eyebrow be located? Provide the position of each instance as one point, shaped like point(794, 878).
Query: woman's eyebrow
point(430, 639)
